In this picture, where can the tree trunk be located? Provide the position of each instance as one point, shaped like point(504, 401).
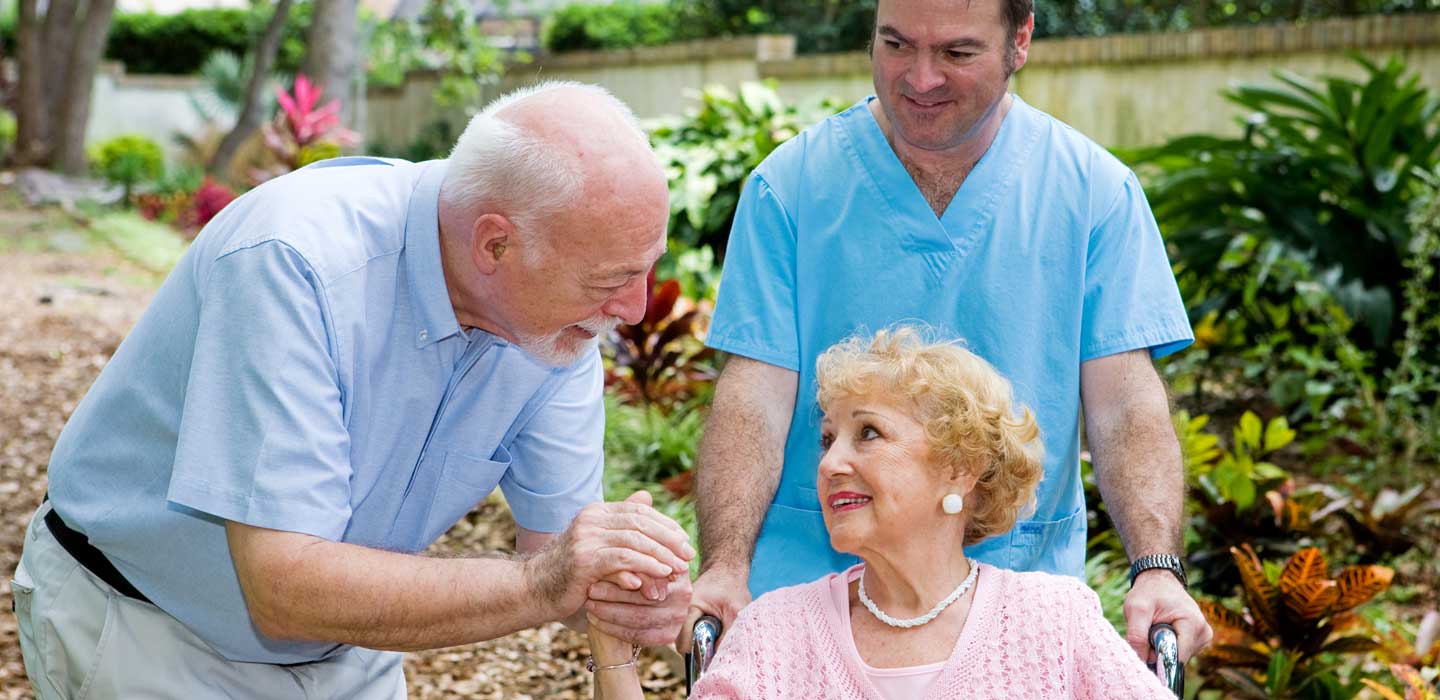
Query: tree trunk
point(88, 45)
point(31, 147)
point(58, 44)
point(250, 117)
point(331, 60)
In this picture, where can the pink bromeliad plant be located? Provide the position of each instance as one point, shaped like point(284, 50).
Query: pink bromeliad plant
point(303, 133)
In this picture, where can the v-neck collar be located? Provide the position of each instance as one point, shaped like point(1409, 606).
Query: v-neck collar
point(939, 240)
point(981, 608)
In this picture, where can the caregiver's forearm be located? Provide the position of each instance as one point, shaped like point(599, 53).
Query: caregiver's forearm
point(740, 459)
point(1136, 455)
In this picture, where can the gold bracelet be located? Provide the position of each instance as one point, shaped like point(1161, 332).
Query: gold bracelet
point(634, 655)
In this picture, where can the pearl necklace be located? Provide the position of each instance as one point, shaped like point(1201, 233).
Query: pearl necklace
point(934, 612)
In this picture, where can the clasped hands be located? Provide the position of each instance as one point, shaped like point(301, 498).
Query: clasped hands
point(624, 565)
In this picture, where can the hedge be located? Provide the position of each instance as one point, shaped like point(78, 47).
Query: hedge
point(178, 44)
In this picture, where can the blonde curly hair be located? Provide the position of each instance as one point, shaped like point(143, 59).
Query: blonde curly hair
point(966, 406)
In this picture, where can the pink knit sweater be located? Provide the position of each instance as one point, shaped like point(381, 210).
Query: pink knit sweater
point(1028, 635)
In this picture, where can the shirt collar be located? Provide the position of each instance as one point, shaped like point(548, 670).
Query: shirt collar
point(429, 297)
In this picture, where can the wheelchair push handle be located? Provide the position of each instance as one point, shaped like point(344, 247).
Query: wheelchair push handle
point(1167, 658)
point(1168, 668)
point(703, 639)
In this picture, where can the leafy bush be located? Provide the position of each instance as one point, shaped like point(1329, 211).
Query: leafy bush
point(7, 133)
point(303, 132)
point(1291, 622)
point(447, 38)
point(128, 160)
point(651, 446)
point(586, 26)
point(661, 360)
point(1324, 171)
point(179, 44)
point(709, 152)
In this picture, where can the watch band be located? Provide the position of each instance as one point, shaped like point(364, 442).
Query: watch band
point(1169, 562)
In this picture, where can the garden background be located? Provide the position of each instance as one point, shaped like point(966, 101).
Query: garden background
point(1290, 149)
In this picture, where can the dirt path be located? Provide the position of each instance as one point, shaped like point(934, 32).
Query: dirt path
point(65, 304)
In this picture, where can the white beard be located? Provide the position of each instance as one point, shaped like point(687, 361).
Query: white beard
point(558, 349)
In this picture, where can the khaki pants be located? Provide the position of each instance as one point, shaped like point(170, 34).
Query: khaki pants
point(81, 639)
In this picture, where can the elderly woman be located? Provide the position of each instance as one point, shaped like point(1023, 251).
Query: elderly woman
point(924, 453)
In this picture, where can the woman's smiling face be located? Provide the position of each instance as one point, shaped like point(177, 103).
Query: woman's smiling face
point(877, 482)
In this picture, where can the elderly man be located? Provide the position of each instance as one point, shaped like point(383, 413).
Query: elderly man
point(348, 360)
point(946, 199)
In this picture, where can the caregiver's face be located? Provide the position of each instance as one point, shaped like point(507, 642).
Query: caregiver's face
point(941, 67)
point(877, 483)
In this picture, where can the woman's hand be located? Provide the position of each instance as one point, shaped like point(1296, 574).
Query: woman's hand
point(621, 682)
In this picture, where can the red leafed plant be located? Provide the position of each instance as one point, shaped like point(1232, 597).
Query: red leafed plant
point(210, 198)
point(1265, 652)
point(302, 132)
point(661, 360)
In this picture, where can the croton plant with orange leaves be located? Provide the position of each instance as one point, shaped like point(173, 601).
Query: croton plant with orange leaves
point(1269, 649)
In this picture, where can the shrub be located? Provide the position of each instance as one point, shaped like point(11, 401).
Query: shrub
point(621, 25)
point(129, 160)
point(710, 151)
point(1290, 621)
point(303, 132)
point(1325, 170)
point(179, 44)
point(7, 133)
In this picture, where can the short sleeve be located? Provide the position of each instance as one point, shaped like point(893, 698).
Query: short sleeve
point(1131, 299)
point(557, 458)
point(262, 436)
point(755, 312)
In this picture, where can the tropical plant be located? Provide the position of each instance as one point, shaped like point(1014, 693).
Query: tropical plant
point(1237, 475)
point(1390, 524)
point(1292, 622)
point(709, 152)
point(128, 160)
point(1421, 651)
point(1416, 686)
point(647, 445)
point(7, 133)
point(304, 133)
point(661, 360)
point(1107, 573)
point(446, 38)
point(1325, 170)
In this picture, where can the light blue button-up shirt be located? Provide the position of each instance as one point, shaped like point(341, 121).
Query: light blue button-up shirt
point(1047, 257)
point(302, 369)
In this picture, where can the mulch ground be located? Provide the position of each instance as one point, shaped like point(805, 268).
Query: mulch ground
point(65, 304)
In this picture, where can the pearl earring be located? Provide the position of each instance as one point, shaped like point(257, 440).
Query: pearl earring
point(952, 503)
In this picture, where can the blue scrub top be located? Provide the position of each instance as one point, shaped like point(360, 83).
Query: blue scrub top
point(302, 369)
point(1047, 257)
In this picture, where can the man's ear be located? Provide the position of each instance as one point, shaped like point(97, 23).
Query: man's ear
point(490, 238)
point(1022, 42)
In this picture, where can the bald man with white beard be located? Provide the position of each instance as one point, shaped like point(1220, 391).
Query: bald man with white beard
point(348, 360)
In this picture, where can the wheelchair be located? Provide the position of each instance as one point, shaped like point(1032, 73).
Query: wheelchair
point(706, 634)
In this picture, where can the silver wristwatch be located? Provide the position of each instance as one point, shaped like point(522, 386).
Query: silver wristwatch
point(1169, 562)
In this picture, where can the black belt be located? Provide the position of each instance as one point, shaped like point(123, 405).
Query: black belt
point(94, 561)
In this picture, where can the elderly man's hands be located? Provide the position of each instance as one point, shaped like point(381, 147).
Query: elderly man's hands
point(633, 548)
point(1158, 597)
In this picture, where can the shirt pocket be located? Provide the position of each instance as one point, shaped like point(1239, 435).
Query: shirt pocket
point(444, 489)
point(1055, 546)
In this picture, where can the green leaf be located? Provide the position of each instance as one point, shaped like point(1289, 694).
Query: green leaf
point(1278, 434)
point(1242, 493)
point(1248, 435)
